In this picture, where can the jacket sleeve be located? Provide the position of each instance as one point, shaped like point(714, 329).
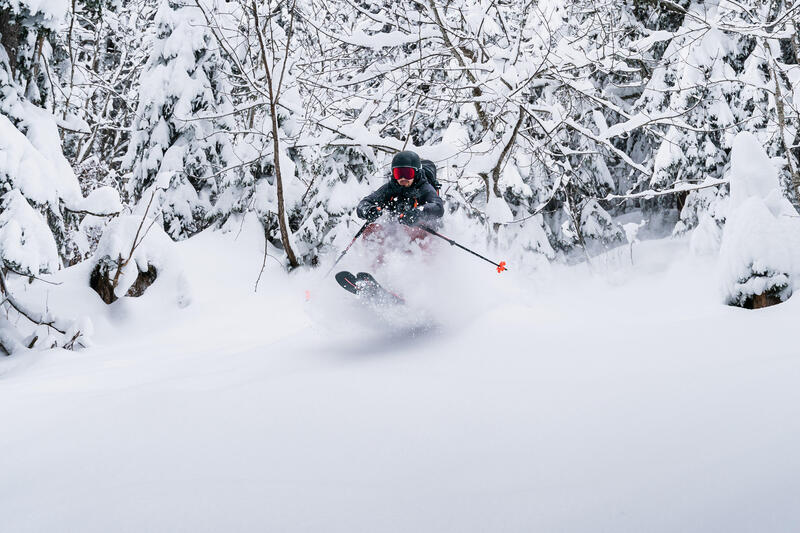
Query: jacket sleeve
point(378, 198)
point(432, 204)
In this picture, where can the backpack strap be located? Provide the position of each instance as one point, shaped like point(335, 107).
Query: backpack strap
point(428, 169)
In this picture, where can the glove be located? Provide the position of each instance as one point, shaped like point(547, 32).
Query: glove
point(371, 213)
point(410, 217)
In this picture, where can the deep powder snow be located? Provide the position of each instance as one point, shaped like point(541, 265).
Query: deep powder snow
point(627, 399)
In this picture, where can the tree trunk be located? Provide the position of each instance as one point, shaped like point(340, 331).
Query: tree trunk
point(10, 38)
point(759, 301)
point(779, 106)
point(282, 221)
point(497, 170)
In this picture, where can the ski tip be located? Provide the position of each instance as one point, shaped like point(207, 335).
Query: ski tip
point(501, 267)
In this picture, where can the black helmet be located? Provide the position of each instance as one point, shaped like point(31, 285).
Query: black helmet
point(406, 159)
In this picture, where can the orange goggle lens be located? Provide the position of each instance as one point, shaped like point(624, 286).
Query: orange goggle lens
point(403, 173)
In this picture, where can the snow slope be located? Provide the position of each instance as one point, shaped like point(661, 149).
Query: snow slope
point(629, 399)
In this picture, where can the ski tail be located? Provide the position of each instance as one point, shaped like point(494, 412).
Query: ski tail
point(377, 290)
point(347, 281)
point(367, 288)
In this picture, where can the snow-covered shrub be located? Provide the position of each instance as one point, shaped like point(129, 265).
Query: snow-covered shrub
point(133, 252)
point(759, 258)
point(704, 203)
point(563, 236)
point(598, 226)
point(527, 243)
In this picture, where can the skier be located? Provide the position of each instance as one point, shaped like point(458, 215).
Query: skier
point(411, 198)
point(408, 196)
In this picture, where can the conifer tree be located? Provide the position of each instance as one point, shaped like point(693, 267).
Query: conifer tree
point(40, 199)
point(181, 120)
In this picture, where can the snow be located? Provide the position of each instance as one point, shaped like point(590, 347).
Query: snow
point(510, 178)
point(706, 237)
point(343, 196)
point(456, 136)
point(497, 210)
point(624, 393)
point(26, 242)
point(261, 411)
point(669, 153)
point(27, 168)
point(53, 11)
point(74, 123)
point(752, 172)
point(103, 200)
point(647, 42)
point(42, 133)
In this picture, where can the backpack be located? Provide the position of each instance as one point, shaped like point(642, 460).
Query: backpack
point(428, 171)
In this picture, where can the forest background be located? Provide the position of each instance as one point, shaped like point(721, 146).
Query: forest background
point(560, 129)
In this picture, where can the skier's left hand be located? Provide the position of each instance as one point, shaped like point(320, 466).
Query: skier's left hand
point(410, 217)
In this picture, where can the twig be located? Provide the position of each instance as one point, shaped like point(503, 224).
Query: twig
point(85, 212)
point(651, 194)
point(32, 276)
point(20, 308)
point(264, 259)
point(122, 263)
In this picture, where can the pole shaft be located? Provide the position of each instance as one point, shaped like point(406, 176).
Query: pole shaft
point(454, 243)
point(358, 234)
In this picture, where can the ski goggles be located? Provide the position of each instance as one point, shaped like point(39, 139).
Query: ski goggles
point(404, 173)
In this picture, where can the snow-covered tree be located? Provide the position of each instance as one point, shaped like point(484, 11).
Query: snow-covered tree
point(718, 75)
point(546, 120)
point(760, 253)
point(181, 120)
point(259, 39)
point(40, 199)
point(99, 60)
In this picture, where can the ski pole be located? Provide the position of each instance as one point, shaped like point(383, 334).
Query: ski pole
point(501, 266)
point(358, 234)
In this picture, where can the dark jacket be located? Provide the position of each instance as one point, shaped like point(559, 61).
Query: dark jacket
point(396, 199)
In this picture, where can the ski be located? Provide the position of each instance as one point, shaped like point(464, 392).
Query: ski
point(375, 291)
point(367, 288)
point(347, 281)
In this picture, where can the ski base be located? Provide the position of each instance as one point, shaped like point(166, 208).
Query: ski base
point(367, 288)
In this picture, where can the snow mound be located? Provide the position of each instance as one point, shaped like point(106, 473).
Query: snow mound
point(140, 244)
